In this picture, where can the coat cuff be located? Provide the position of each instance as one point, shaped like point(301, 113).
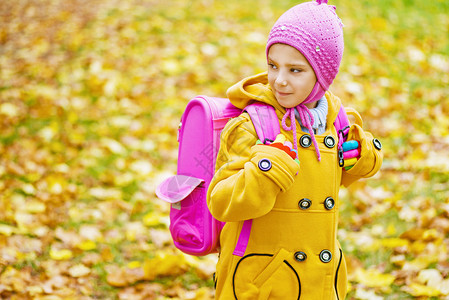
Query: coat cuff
point(371, 155)
point(274, 164)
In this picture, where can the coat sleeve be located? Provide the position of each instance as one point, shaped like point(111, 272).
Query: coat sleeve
point(371, 156)
point(240, 189)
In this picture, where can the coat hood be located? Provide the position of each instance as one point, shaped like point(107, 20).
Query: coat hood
point(253, 88)
point(256, 88)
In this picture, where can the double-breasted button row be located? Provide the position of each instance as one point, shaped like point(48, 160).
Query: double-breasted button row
point(305, 203)
point(306, 141)
point(325, 256)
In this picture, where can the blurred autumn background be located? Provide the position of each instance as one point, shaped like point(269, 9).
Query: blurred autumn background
point(91, 93)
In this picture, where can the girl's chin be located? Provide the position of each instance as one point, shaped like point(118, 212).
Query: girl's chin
point(287, 104)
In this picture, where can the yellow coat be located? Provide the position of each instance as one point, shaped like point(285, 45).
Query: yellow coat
point(292, 252)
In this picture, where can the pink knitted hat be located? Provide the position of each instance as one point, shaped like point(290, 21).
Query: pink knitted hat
point(315, 30)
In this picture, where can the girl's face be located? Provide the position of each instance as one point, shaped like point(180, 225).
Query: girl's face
point(290, 76)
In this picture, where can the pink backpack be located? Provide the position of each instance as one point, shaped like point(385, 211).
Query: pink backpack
point(194, 230)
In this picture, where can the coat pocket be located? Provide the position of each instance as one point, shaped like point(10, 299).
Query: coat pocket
point(266, 276)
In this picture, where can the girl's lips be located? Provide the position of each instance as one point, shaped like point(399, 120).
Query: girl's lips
point(282, 94)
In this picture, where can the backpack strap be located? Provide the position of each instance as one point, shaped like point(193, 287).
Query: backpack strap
point(356, 115)
point(242, 242)
point(342, 126)
point(265, 121)
point(267, 127)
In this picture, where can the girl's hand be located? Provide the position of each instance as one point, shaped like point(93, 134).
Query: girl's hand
point(281, 143)
point(351, 153)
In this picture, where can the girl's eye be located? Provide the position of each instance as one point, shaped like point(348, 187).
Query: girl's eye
point(272, 66)
point(296, 70)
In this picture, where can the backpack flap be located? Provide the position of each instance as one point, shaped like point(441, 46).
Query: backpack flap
point(176, 188)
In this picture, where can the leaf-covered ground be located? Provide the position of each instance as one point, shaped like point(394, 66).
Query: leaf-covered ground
point(91, 92)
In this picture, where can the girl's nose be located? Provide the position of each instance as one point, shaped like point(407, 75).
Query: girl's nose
point(281, 81)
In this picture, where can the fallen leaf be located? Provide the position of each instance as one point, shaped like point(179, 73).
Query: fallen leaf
point(7, 230)
point(79, 270)
point(87, 245)
point(418, 290)
point(117, 278)
point(394, 242)
point(9, 110)
point(373, 278)
point(164, 264)
point(63, 254)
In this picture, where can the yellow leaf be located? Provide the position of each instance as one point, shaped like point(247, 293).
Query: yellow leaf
point(29, 188)
point(72, 117)
point(48, 297)
point(113, 146)
point(151, 219)
point(366, 294)
point(26, 256)
point(431, 235)
point(421, 262)
point(431, 277)
point(171, 67)
point(373, 278)
point(91, 233)
point(123, 179)
point(23, 220)
point(47, 133)
point(105, 193)
point(378, 24)
point(7, 230)
point(9, 110)
point(413, 234)
point(418, 247)
point(142, 167)
point(200, 294)
point(56, 184)
point(394, 242)
point(206, 267)
point(398, 260)
point(87, 245)
point(391, 229)
point(63, 254)
point(134, 264)
point(75, 214)
point(34, 290)
point(416, 290)
point(35, 207)
point(164, 265)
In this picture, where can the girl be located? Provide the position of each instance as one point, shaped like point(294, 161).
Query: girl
point(290, 195)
